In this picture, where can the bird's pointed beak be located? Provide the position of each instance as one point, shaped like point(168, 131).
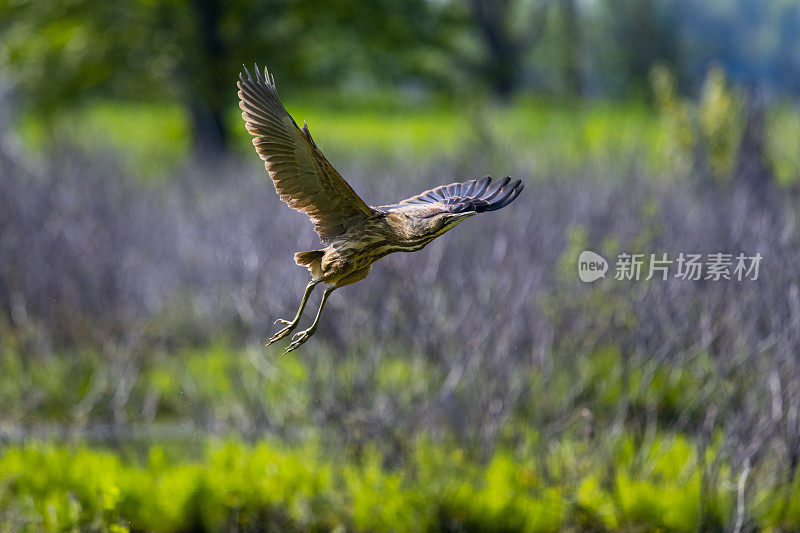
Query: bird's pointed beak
point(462, 216)
point(457, 218)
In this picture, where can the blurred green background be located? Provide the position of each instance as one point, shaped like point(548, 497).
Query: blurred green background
point(476, 386)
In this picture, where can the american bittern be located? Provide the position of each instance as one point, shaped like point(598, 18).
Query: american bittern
point(355, 234)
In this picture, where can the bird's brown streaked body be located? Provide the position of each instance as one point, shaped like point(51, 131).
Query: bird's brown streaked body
point(355, 235)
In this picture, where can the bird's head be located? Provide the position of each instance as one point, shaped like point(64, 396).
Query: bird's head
point(447, 221)
point(422, 224)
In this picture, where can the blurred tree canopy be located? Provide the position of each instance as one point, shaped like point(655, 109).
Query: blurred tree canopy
point(55, 55)
point(59, 54)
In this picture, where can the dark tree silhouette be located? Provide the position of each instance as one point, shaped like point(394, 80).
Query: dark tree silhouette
point(572, 46)
point(506, 43)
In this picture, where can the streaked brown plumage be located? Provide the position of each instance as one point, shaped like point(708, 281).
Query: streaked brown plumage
point(355, 234)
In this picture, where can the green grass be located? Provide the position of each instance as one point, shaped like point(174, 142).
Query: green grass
point(271, 485)
point(152, 139)
point(531, 136)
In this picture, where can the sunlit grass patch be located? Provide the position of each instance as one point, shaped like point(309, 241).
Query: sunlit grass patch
point(152, 139)
point(531, 135)
point(300, 487)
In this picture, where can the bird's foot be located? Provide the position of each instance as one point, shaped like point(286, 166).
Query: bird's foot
point(299, 338)
point(283, 331)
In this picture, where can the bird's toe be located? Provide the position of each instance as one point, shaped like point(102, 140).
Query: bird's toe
point(299, 338)
point(282, 333)
point(295, 345)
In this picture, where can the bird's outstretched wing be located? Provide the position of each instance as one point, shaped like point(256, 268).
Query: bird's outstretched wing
point(470, 196)
point(303, 178)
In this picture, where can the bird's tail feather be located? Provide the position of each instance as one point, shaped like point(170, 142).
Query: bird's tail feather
point(308, 258)
point(311, 260)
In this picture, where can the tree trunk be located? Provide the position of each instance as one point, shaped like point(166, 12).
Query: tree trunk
point(751, 167)
point(210, 134)
point(505, 50)
point(572, 47)
point(208, 82)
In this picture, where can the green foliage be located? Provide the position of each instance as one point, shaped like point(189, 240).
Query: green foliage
point(511, 497)
point(721, 122)
point(190, 53)
point(232, 485)
point(703, 137)
point(783, 142)
point(595, 506)
point(671, 498)
point(62, 487)
point(381, 501)
point(678, 136)
point(781, 506)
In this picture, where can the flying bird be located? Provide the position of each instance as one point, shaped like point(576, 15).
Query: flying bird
point(354, 234)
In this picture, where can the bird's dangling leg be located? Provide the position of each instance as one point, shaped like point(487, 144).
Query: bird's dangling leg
point(290, 325)
point(302, 336)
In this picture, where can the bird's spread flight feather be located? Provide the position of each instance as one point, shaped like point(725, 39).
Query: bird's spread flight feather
point(470, 196)
point(302, 176)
